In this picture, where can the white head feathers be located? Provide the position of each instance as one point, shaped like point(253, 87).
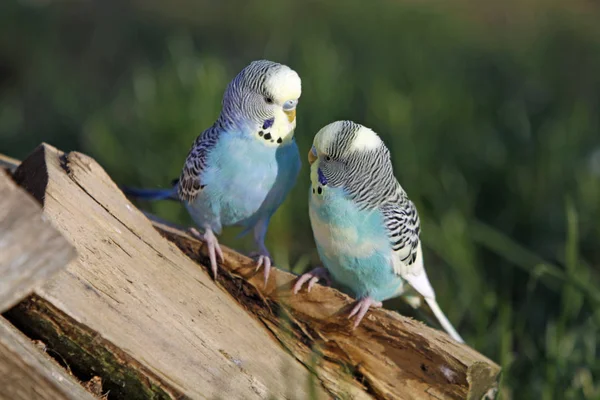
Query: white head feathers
point(365, 139)
point(346, 137)
point(284, 84)
point(354, 157)
point(262, 99)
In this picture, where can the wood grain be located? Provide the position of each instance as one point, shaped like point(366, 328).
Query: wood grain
point(389, 355)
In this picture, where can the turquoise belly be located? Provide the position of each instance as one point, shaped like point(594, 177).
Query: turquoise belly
point(353, 246)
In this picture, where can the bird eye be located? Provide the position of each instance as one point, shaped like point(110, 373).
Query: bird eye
point(290, 105)
point(268, 100)
point(327, 158)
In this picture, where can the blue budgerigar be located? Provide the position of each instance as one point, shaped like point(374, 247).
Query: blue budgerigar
point(365, 227)
point(239, 171)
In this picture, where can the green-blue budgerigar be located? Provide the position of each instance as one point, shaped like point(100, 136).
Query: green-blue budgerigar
point(240, 170)
point(365, 227)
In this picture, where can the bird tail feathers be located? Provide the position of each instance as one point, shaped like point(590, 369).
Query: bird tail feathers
point(437, 311)
point(151, 194)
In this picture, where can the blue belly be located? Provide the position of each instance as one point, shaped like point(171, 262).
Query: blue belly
point(353, 245)
point(245, 181)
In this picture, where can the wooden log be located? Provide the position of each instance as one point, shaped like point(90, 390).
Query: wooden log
point(27, 373)
point(391, 356)
point(31, 249)
point(136, 311)
point(139, 311)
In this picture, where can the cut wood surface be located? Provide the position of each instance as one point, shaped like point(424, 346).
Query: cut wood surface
point(31, 249)
point(26, 373)
point(137, 310)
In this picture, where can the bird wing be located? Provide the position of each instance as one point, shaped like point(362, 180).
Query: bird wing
point(190, 181)
point(403, 226)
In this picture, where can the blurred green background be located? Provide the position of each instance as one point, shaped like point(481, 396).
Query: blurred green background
point(491, 112)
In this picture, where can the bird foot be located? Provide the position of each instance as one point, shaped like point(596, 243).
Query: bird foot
point(312, 277)
point(263, 259)
point(212, 244)
point(361, 308)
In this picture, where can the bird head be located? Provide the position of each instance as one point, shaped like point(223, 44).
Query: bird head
point(264, 95)
point(348, 155)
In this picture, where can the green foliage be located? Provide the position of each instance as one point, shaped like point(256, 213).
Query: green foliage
point(491, 116)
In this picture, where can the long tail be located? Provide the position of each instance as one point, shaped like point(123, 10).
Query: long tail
point(437, 311)
point(151, 194)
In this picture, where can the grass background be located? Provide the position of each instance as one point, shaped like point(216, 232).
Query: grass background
point(491, 112)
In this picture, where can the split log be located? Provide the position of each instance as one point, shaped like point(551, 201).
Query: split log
point(31, 249)
point(138, 311)
point(27, 373)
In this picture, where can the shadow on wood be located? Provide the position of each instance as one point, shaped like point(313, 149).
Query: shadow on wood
point(26, 373)
point(137, 310)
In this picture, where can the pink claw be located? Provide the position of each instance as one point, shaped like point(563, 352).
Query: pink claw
point(312, 277)
point(263, 260)
point(212, 244)
point(266, 262)
point(361, 308)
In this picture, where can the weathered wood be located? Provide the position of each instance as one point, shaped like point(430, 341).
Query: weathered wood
point(390, 355)
point(136, 311)
point(31, 249)
point(26, 373)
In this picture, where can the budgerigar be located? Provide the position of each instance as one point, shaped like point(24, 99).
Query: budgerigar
point(239, 171)
point(365, 227)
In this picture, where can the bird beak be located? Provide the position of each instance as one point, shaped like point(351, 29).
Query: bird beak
point(291, 114)
point(289, 108)
point(312, 157)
